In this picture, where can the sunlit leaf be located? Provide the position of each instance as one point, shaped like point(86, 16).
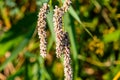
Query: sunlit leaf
point(114, 36)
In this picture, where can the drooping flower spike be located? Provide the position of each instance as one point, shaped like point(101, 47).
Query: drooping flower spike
point(67, 60)
point(42, 29)
point(57, 21)
point(61, 37)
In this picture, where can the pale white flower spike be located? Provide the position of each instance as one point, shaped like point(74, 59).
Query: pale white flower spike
point(67, 60)
point(42, 29)
point(57, 21)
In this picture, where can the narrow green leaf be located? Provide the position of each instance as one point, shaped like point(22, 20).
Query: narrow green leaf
point(50, 44)
point(19, 48)
point(50, 23)
point(17, 33)
point(6, 46)
point(74, 14)
point(44, 74)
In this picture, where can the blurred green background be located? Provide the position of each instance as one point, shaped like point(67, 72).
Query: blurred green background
point(94, 32)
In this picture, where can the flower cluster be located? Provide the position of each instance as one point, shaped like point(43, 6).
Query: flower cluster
point(42, 29)
point(57, 19)
point(97, 46)
point(66, 5)
point(62, 41)
point(67, 59)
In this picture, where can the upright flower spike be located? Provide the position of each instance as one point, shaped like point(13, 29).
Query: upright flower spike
point(57, 19)
point(66, 5)
point(42, 29)
point(67, 59)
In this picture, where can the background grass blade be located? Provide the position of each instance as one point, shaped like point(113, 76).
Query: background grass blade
point(74, 14)
point(20, 47)
point(17, 50)
point(50, 23)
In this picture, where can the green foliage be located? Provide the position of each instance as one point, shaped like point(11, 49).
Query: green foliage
point(94, 32)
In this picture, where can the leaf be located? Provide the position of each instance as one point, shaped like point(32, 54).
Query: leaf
point(10, 3)
point(44, 74)
point(6, 46)
point(44, 1)
point(74, 14)
point(50, 43)
point(114, 36)
point(17, 50)
point(19, 72)
point(24, 42)
point(51, 27)
point(17, 33)
point(50, 23)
